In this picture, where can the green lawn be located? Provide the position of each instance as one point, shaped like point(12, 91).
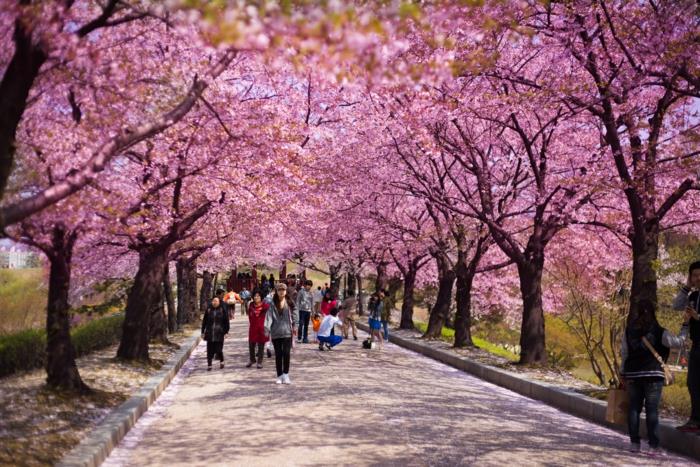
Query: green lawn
point(448, 335)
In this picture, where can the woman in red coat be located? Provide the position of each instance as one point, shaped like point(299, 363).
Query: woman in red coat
point(256, 332)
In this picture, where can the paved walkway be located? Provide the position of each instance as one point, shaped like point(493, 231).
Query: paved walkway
point(357, 407)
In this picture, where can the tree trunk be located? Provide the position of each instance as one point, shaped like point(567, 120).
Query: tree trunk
point(206, 291)
point(61, 370)
point(361, 305)
point(169, 299)
point(351, 281)
point(395, 284)
point(14, 89)
point(532, 337)
point(645, 253)
point(158, 324)
point(382, 280)
point(335, 279)
point(409, 285)
point(140, 302)
point(463, 318)
point(438, 315)
point(186, 290)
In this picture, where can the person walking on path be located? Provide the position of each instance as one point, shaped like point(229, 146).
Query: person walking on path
point(245, 297)
point(324, 332)
point(305, 305)
point(350, 315)
point(281, 321)
point(688, 300)
point(215, 326)
point(375, 320)
point(318, 297)
point(257, 312)
point(327, 304)
point(384, 313)
point(644, 373)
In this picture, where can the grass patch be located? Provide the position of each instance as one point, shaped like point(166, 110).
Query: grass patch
point(23, 295)
point(448, 335)
point(26, 350)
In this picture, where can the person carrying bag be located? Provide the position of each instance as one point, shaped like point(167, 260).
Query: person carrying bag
point(645, 348)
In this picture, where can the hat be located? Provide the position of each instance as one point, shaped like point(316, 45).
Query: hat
point(281, 285)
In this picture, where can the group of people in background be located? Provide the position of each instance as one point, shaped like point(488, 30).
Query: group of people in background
point(278, 312)
point(645, 349)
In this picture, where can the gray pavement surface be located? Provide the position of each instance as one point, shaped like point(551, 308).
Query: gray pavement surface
point(358, 407)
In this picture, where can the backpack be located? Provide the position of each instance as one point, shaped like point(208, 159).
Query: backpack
point(367, 344)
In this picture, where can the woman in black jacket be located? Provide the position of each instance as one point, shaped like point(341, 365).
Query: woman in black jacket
point(644, 376)
point(215, 325)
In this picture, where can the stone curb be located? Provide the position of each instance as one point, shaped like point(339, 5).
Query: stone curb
point(94, 449)
point(562, 399)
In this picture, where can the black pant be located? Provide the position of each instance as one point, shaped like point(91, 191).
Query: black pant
point(283, 352)
point(694, 382)
point(251, 349)
point(215, 349)
point(303, 331)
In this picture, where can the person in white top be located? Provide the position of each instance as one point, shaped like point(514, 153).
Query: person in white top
point(318, 296)
point(324, 332)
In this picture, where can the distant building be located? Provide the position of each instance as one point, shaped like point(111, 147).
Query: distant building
point(16, 257)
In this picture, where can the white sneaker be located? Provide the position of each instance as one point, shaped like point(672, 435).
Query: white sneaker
point(280, 379)
point(285, 379)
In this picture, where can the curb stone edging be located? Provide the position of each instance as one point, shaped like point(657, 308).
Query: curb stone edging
point(94, 449)
point(562, 399)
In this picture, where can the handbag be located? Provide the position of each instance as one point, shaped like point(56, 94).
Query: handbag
point(618, 406)
point(668, 374)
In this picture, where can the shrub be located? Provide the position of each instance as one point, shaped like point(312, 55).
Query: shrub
point(97, 334)
point(22, 350)
point(26, 350)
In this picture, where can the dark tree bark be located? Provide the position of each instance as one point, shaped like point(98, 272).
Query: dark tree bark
point(382, 280)
point(158, 324)
point(463, 319)
point(438, 315)
point(645, 253)
point(361, 305)
point(186, 290)
point(169, 299)
point(532, 337)
point(14, 91)
point(206, 291)
point(409, 286)
point(335, 278)
point(61, 370)
point(351, 281)
point(142, 297)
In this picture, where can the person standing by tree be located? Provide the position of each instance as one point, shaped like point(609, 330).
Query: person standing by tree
point(257, 312)
point(305, 305)
point(215, 326)
point(245, 297)
point(281, 321)
point(643, 373)
point(375, 324)
point(688, 299)
point(384, 312)
point(350, 314)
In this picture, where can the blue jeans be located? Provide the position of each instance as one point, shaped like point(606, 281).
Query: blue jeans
point(385, 325)
point(644, 392)
point(330, 340)
point(303, 331)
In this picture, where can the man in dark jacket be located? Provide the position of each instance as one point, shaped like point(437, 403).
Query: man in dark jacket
point(688, 299)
